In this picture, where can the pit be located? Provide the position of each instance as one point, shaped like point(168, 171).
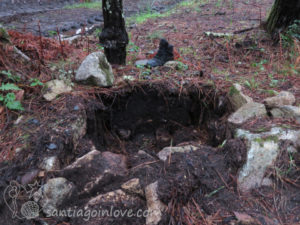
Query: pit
point(150, 118)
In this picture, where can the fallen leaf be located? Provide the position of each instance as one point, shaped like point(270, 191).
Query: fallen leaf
point(19, 95)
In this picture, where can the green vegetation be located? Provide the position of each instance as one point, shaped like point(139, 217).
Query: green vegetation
point(88, 5)
point(7, 95)
point(293, 32)
point(149, 14)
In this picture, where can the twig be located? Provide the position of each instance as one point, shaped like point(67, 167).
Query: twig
point(20, 53)
point(60, 43)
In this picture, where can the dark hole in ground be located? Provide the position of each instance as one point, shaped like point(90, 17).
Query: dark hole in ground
point(150, 119)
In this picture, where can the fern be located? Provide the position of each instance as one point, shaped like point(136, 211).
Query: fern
point(9, 87)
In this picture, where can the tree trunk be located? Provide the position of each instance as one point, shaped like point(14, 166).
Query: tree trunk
point(114, 37)
point(283, 13)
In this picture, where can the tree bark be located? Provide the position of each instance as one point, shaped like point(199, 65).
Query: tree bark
point(114, 37)
point(283, 14)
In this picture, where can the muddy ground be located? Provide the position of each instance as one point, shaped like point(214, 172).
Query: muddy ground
point(48, 16)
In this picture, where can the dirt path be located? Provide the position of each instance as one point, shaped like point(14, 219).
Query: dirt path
point(52, 14)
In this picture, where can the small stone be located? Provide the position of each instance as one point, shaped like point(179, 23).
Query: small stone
point(29, 177)
point(166, 152)
point(141, 63)
point(176, 65)
point(76, 108)
point(54, 88)
point(33, 121)
point(286, 111)
point(133, 186)
point(52, 146)
point(247, 111)
point(124, 134)
point(283, 98)
point(237, 98)
point(50, 163)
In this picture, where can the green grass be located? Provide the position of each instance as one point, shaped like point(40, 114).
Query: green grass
point(88, 5)
point(143, 17)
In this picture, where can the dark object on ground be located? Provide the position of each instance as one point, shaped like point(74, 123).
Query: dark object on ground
point(164, 54)
point(283, 14)
point(114, 37)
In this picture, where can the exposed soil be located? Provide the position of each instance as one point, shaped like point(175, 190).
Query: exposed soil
point(48, 16)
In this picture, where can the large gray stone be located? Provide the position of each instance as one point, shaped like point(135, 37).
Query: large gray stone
point(52, 194)
point(237, 98)
point(247, 111)
point(283, 98)
point(95, 70)
point(263, 149)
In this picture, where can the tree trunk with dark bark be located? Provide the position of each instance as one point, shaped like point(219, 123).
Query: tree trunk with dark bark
point(283, 14)
point(114, 37)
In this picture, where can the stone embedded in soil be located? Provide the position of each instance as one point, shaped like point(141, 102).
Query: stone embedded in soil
point(50, 163)
point(29, 177)
point(286, 111)
point(95, 70)
point(116, 207)
point(176, 65)
point(246, 112)
point(54, 88)
point(283, 98)
point(167, 151)
point(237, 98)
point(155, 206)
point(95, 170)
point(133, 186)
point(142, 62)
point(53, 194)
point(263, 149)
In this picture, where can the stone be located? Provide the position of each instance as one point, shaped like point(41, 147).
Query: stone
point(116, 207)
point(50, 164)
point(176, 65)
point(29, 177)
point(133, 186)
point(167, 151)
point(155, 206)
point(164, 54)
point(283, 98)
point(95, 170)
point(95, 70)
point(141, 63)
point(52, 146)
point(263, 149)
point(246, 112)
point(237, 98)
point(54, 88)
point(286, 111)
point(53, 194)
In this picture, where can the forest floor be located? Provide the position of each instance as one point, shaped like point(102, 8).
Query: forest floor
point(218, 42)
